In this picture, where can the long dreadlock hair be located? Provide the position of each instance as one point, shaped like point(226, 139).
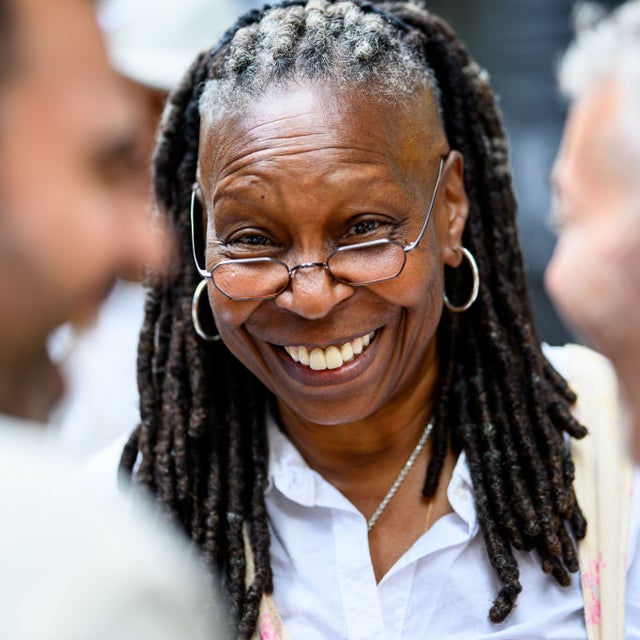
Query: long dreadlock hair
point(202, 441)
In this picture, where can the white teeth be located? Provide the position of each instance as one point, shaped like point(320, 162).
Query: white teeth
point(332, 357)
point(303, 356)
point(346, 351)
point(317, 360)
point(293, 352)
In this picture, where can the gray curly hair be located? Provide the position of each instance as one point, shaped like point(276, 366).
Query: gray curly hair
point(607, 49)
point(341, 46)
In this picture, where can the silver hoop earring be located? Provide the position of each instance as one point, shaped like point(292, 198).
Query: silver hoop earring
point(195, 319)
point(474, 289)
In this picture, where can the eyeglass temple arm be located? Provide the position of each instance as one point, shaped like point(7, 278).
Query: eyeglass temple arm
point(414, 244)
point(203, 272)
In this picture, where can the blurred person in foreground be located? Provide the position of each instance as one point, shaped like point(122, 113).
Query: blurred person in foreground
point(150, 44)
point(72, 565)
point(344, 400)
point(594, 274)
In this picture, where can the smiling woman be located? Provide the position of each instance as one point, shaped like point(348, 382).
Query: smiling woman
point(312, 183)
point(361, 437)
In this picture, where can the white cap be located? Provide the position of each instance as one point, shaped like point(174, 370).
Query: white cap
point(153, 42)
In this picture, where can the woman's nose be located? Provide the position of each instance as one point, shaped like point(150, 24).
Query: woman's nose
point(313, 292)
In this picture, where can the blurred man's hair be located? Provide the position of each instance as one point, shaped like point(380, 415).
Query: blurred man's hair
point(607, 49)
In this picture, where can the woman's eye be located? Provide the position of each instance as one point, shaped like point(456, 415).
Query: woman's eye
point(249, 240)
point(365, 226)
point(255, 240)
point(371, 227)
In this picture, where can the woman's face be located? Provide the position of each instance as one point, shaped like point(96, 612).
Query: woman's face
point(297, 174)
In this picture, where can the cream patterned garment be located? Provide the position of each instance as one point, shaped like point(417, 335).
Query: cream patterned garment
point(603, 486)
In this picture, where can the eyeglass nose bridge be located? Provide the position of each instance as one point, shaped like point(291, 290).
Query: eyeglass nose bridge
point(308, 265)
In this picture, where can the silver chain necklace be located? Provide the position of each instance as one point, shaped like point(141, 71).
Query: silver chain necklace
point(401, 476)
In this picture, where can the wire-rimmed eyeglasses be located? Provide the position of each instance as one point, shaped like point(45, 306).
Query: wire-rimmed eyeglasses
point(357, 265)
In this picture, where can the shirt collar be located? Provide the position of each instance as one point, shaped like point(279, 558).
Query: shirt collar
point(290, 474)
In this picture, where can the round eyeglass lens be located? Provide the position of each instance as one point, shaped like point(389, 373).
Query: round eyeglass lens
point(367, 262)
point(251, 278)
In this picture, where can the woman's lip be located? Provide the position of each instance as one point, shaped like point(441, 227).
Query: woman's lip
point(328, 377)
point(323, 344)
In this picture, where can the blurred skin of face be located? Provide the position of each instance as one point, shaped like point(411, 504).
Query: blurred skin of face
point(296, 175)
point(594, 274)
point(148, 104)
point(70, 214)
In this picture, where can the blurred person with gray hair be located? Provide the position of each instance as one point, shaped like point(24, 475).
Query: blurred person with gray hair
point(73, 565)
point(150, 44)
point(594, 274)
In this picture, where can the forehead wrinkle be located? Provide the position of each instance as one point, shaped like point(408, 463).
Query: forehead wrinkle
point(329, 146)
point(237, 139)
point(326, 122)
point(334, 174)
point(329, 137)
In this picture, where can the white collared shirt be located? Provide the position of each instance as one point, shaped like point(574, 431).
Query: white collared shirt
point(442, 587)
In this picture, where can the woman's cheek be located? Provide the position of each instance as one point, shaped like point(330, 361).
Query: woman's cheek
point(419, 286)
point(230, 314)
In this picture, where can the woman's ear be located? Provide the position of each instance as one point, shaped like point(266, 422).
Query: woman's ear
point(455, 208)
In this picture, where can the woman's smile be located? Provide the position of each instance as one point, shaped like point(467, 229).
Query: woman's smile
point(315, 366)
point(331, 357)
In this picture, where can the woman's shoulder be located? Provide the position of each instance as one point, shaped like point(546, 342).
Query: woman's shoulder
point(570, 359)
point(591, 377)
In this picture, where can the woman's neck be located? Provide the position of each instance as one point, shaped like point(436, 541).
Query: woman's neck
point(381, 442)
